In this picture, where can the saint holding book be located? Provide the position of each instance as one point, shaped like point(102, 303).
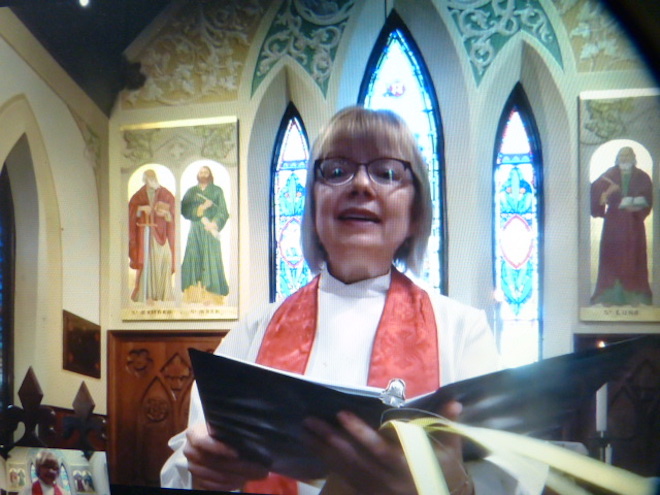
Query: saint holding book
point(203, 273)
point(151, 230)
point(623, 197)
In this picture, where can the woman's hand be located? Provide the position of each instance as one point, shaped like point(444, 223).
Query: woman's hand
point(361, 457)
point(369, 462)
point(216, 466)
point(449, 451)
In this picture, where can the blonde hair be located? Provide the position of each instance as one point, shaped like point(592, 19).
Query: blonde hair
point(43, 456)
point(383, 125)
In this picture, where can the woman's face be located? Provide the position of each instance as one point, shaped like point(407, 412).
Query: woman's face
point(362, 222)
point(48, 471)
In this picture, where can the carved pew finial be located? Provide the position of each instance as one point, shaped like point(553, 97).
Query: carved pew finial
point(83, 421)
point(38, 420)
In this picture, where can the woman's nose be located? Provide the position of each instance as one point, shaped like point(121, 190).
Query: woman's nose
point(361, 178)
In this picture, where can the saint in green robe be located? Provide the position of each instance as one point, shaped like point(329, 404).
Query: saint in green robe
point(202, 262)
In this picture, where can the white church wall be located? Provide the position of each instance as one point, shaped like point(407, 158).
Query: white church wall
point(65, 233)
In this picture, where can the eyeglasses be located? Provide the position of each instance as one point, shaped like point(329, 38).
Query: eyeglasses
point(339, 171)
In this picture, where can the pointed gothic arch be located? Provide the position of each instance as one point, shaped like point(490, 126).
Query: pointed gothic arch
point(38, 285)
point(518, 232)
point(398, 79)
point(288, 269)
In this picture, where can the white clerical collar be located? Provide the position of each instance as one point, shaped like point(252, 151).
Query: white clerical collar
point(371, 287)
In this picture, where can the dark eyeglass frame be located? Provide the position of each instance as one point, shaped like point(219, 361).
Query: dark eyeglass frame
point(349, 177)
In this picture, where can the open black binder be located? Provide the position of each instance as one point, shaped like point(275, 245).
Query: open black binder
point(259, 411)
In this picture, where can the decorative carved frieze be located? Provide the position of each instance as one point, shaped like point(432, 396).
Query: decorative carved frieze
point(216, 142)
point(199, 55)
point(307, 32)
point(485, 26)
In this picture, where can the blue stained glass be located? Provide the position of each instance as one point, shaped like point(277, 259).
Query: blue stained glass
point(6, 286)
point(291, 271)
point(398, 83)
point(292, 191)
point(64, 481)
point(2, 322)
point(516, 239)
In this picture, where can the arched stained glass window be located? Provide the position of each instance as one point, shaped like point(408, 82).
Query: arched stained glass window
point(517, 233)
point(64, 480)
point(6, 289)
point(397, 79)
point(289, 271)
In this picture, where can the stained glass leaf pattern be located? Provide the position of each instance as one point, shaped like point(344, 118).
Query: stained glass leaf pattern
point(516, 239)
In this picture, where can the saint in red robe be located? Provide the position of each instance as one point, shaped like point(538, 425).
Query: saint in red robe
point(160, 262)
point(622, 270)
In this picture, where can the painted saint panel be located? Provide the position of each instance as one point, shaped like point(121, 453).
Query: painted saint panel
point(619, 174)
point(181, 180)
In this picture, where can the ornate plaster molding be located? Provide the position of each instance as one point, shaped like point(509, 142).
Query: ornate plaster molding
point(307, 32)
point(485, 26)
point(597, 40)
point(200, 55)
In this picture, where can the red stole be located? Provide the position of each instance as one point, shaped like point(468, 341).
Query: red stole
point(36, 489)
point(405, 346)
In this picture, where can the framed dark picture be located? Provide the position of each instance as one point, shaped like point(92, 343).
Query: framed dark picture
point(82, 345)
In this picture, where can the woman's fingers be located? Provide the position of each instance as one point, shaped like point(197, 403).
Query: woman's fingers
point(370, 463)
point(331, 444)
point(363, 458)
point(382, 450)
point(200, 443)
point(449, 451)
point(451, 410)
point(216, 466)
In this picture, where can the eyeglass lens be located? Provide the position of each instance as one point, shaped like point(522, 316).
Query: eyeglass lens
point(386, 171)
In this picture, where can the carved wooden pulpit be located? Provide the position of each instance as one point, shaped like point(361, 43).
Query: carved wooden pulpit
point(149, 384)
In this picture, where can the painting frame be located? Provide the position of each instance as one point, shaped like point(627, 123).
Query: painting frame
point(201, 244)
point(81, 349)
point(613, 128)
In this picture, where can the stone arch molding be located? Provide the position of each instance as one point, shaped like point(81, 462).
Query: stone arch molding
point(38, 302)
point(540, 76)
point(289, 79)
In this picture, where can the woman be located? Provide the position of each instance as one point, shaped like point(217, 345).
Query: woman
point(47, 468)
point(360, 322)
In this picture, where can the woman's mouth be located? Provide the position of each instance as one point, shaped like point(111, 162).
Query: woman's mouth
point(354, 215)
